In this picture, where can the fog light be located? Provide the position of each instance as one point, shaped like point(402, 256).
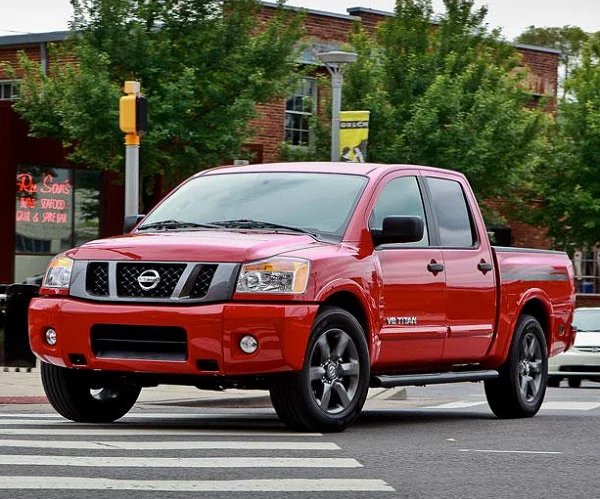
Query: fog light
point(248, 344)
point(51, 337)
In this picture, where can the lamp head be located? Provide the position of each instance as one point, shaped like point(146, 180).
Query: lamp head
point(337, 57)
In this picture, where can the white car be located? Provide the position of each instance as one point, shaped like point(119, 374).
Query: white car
point(582, 360)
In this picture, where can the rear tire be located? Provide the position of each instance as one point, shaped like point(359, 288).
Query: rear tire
point(553, 381)
point(78, 396)
point(574, 382)
point(519, 390)
point(330, 391)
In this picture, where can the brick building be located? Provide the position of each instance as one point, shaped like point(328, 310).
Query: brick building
point(55, 205)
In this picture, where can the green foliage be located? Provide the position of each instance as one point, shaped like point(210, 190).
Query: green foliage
point(203, 65)
point(447, 96)
point(571, 186)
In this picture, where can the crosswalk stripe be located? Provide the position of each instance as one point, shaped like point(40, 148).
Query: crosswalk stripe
point(138, 432)
point(570, 406)
point(65, 423)
point(147, 415)
point(456, 405)
point(167, 462)
point(269, 485)
point(549, 405)
point(172, 445)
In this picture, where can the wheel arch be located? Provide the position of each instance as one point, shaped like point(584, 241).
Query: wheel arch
point(350, 302)
point(538, 309)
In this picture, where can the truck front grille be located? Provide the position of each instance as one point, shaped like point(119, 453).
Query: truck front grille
point(203, 280)
point(174, 283)
point(120, 341)
point(97, 279)
point(129, 275)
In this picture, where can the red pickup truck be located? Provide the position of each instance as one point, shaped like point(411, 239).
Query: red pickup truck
point(315, 281)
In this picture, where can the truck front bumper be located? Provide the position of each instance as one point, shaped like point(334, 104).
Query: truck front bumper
point(139, 338)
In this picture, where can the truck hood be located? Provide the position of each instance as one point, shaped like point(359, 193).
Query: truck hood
point(194, 246)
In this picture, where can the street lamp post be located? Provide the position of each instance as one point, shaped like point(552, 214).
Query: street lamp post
point(336, 63)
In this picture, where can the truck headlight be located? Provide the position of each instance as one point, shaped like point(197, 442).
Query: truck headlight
point(58, 276)
point(276, 275)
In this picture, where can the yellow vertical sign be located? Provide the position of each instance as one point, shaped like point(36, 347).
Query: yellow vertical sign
point(354, 133)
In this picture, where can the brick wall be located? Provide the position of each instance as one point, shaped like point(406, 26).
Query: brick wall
point(543, 73)
point(10, 56)
point(268, 128)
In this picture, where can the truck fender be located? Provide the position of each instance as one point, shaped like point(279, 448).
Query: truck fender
point(499, 348)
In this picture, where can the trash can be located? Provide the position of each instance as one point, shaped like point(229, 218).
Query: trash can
point(2, 319)
point(587, 287)
point(14, 337)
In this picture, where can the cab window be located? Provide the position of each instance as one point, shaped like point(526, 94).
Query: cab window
point(401, 196)
point(452, 212)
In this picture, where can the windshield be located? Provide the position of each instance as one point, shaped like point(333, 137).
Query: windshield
point(587, 320)
point(319, 203)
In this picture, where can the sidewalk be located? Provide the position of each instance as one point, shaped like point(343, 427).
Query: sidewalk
point(21, 387)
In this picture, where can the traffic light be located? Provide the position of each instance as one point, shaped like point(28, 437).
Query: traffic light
point(133, 110)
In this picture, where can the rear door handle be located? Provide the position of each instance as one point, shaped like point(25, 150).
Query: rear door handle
point(484, 266)
point(435, 268)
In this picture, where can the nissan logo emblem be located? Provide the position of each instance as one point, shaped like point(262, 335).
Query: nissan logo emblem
point(148, 279)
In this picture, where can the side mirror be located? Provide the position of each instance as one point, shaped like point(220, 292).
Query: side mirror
point(399, 229)
point(130, 222)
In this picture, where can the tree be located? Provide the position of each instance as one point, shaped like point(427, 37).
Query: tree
point(570, 40)
point(203, 65)
point(571, 185)
point(445, 92)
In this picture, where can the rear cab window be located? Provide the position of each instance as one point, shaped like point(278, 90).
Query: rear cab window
point(454, 218)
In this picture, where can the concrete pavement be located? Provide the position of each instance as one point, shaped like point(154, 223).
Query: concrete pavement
point(23, 387)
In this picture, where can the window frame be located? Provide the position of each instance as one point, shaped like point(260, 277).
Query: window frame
point(433, 212)
point(314, 96)
point(429, 221)
point(72, 172)
point(14, 89)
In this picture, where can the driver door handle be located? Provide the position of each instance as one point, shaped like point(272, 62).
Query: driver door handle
point(484, 266)
point(435, 267)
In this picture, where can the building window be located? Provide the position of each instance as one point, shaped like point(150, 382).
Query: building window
point(9, 90)
point(56, 209)
point(299, 107)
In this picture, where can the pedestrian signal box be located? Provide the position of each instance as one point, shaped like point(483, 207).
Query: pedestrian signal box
point(133, 111)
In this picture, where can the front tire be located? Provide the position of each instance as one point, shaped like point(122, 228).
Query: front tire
point(519, 390)
point(330, 391)
point(574, 382)
point(78, 396)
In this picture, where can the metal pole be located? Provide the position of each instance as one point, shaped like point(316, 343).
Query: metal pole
point(337, 80)
point(132, 174)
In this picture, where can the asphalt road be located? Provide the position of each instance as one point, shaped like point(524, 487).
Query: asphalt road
point(441, 442)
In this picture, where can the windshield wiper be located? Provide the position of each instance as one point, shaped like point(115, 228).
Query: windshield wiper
point(176, 224)
point(243, 223)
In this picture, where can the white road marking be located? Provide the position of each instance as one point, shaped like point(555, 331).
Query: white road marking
point(461, 404)
point(276, 485)
point(138, 432)
point(143, 415)
point(570, 406)
point(548, 406)
point(171, 445)
point(493, 451)
point(167, 462)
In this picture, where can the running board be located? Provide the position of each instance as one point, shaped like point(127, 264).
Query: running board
point(431, 379)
